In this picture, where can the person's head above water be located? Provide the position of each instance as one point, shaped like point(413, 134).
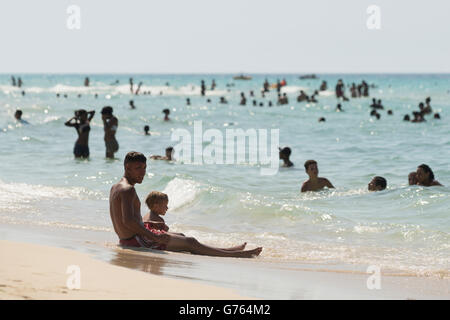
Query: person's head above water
point(169, 152)
point(285, 153)
point(377, 184)
point(18, 114)
point(135, 164)
point(146, 130)
point(412, 179)
point(311, 168)
point(157, 202)
point(424, 175)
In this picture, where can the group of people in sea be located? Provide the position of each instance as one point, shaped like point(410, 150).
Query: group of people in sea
point(423, 176)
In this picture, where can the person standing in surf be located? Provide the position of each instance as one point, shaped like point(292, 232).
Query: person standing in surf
point(81, 123)
point(110, 124)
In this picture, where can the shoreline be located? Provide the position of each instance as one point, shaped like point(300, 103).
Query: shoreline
point(250, 278)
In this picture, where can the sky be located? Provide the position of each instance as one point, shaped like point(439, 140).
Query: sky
point(232, 36)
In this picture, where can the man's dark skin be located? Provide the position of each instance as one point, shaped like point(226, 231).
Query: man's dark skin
point(125, 211)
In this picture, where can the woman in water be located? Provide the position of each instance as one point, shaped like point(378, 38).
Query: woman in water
point(81, 123)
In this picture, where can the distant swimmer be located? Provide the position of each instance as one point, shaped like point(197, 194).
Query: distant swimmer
point(314, 183)
point(13, 81)
point(377, 184)
point(188, 101)
point(243, 100)
point(19, 82)
point(96, 96)
point(57, 95)
point(323, 86)
point(302, 97)
point(365, 88)
point(406, 117)
point(389, 112)
point(223, 100)
point(427, 109)
point(339, 90)
point(285, 153)
point(131, 85)
point(270, 103)
point(278, 86)
point(79, 95)
point(354, 91)
point(379, 104)
point(138, 88)
point(81, 123)
point(213, 84)
point(322, 119)
point(110, 125)
point(418, 117)
point(132, 106)
point(166, 114)
point(436, 116)
point(339, 108)
point(18, 116)
point(412, 178)
point(377, 115)
point(147, 130)
point(266, 86)
point(23, 92)
point(252, 94)
point(202, 88)
point(261, 104)
point(425, 176)
point(168, 157)
point(208, 100)
point(86, 82)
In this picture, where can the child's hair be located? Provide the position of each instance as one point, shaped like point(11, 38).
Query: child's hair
point(154, 198)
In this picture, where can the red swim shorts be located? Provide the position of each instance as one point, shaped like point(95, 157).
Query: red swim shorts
point(142, 242)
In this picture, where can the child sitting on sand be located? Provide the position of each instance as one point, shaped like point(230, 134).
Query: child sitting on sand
point(157, 203)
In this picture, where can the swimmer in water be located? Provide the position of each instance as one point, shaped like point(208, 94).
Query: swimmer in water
point(166, 114)
point(314, 183)
point(18, 116)
point(377, 184)
point(285, 153)
point(168, 157)
point(132, 106)
point(146, 130)
point(425, 176)
point(412, 179)
point(243, 100)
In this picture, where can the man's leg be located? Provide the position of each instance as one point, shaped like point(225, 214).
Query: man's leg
point(179, 243)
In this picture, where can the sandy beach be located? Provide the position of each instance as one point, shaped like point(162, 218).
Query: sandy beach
point(39, 272)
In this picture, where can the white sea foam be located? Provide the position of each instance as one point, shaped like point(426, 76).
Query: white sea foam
point(181, 192)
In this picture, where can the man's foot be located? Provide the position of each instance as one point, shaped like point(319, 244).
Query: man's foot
point(249, 253)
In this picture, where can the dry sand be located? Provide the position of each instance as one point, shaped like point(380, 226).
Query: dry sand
point(30, 271)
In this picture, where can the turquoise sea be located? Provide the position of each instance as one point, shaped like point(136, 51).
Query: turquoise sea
point(404, 228)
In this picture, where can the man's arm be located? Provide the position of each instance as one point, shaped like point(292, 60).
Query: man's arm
point(328, 183)
point(129, 219)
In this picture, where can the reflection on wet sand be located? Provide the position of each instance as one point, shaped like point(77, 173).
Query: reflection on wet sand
point(154, 262)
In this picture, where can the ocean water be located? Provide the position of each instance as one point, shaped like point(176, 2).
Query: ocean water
point(404, 228)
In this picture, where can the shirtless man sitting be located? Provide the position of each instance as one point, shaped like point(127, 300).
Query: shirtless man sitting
point(125, 211)
point(314, 183)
